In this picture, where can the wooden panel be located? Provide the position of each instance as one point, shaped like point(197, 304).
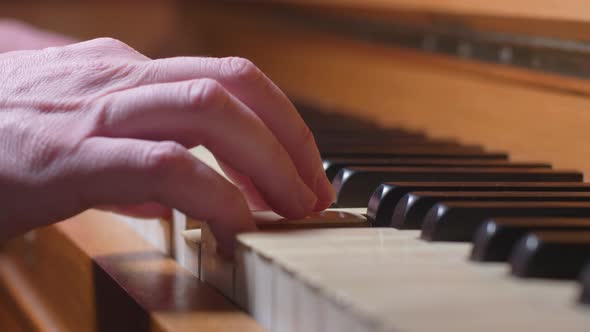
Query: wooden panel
point(536, 18)
point(576, 10)
point(98, 274)
point(10, 318)
point(533, 116)
point(49, 280)
point(149, 26)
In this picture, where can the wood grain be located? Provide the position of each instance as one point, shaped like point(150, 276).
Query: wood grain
point(572, 10)
point(520, 18)
point(99, 275)
point(65, 277)
point(150, 26)
point(10, 318)
point(531, 115)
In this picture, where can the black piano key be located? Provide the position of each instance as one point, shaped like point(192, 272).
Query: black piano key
point(378, 138)
point(371, 134)
point(411, 209)
point(385, 147)
point(333, 165)
point(336, 135)
point(585, 282)
point(386, 197)
point(411, 151)
point(323, 117)
point(496, 237)
point(402, 152)
point(458, 221)
point(556, 255)
point(354, 185)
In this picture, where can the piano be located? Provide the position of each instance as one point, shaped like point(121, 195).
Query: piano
point(455, 136)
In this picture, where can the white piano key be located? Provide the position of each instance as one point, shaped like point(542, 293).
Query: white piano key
point(284, 298)
point(223, 275)
point(244, 280)
point(157, 232)
point(201, 153)
point(215, 270)
point(178, 226)
point(185, 247)
point(190, 250)
point(263, 305)
point(307, 311)
point(400, 283)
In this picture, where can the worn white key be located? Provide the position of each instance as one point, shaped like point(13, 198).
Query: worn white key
point(307, 304)
point(158, 232)
point(284, 301)
point(191, 251)
point(186, 242)
point(215, 270)
point(228, 278)
point(389, 280)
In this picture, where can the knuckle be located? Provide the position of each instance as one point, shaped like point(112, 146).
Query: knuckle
point(110, 42)
point(108, 47)
point(99, 120)
point(116, 74)
point(36, 148)
point(63, 54)
point(48, 155)
point(45, 152)
point(152, 71)
point(207, 93)
point(165, 156)
point(241, 69)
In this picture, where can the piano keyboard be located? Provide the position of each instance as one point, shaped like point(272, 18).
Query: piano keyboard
point(427, 234)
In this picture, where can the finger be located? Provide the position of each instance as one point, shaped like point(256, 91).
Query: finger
point(251, 193)
point(107, 49)
point(203, 112)
point(126, 171)
point(245, 81)
point(146, 210)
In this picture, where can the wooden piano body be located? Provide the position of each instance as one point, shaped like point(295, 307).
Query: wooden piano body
point(510, 75)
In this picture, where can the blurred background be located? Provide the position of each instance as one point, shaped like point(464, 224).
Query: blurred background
point(154, 27)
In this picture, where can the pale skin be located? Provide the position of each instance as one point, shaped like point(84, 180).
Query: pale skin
point(98, 124)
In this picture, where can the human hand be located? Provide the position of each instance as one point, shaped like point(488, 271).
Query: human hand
point(16, 35)
point(99, 124)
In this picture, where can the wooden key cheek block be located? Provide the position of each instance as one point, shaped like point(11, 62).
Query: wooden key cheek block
point(231, 277)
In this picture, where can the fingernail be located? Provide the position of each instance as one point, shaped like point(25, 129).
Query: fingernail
point(307, 199)
point(325, 192)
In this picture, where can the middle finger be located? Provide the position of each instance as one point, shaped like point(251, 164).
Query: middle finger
point(202, 112)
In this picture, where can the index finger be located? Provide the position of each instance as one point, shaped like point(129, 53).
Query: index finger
point(245, 81)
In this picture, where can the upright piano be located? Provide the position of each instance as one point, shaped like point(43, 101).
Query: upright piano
point(456, 136)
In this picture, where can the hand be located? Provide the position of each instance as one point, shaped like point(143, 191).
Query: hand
point(97, 123)
point(15, 35)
